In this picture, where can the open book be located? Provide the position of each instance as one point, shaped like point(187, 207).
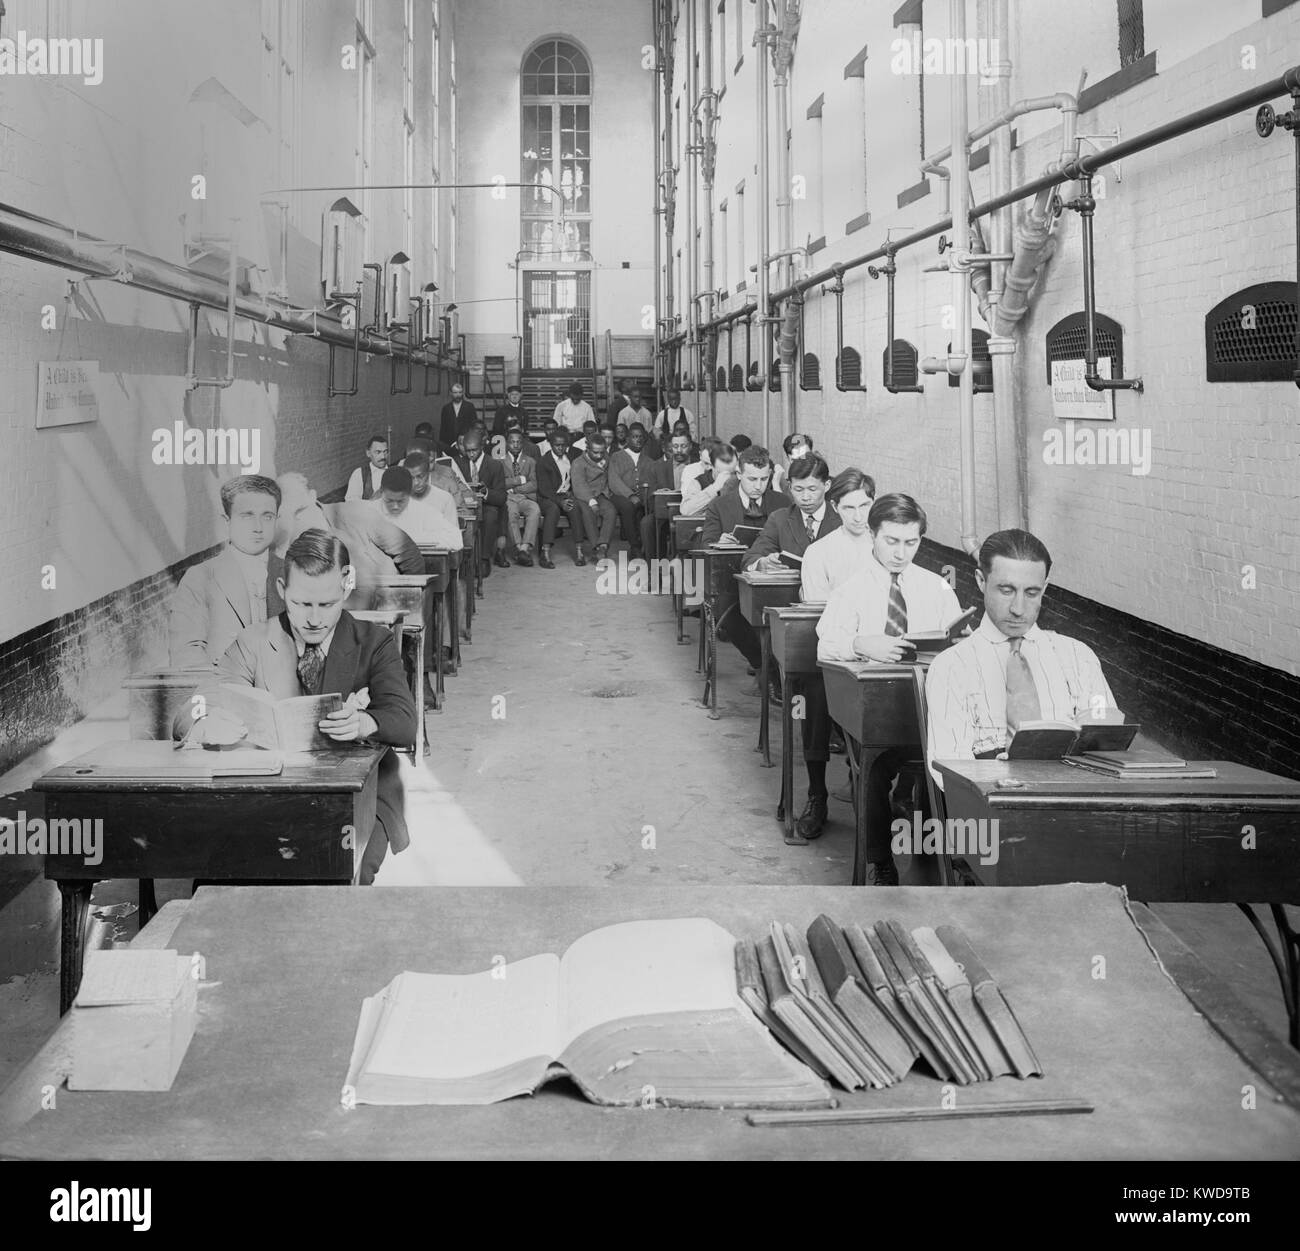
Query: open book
point(1051, 740)
point(278, 724)
point(937, 640)
point(637, 1011)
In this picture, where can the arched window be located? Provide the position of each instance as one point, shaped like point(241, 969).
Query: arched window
point(907, 370)
point(849, 370)
point(555, 152)
point(810, 378)
point(737, 378)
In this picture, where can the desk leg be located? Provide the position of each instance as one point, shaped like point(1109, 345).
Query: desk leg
point(704, 631)
point(419, 692)
point(471, 574)
point(453, 608)
point(764, 696)
point(706, 637)
point(1285, 954)
point(786, 811)
point(478, 562)
point(865, 758)
point(438, 608)
point(148, 901)
point(72, 941)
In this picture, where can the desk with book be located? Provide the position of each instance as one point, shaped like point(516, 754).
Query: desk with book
point(243, 814)
point(661, 1023)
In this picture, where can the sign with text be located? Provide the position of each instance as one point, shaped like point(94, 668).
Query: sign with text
point(1073, 399)
point(66, 393)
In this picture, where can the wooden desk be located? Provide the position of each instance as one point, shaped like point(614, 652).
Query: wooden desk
point(308, 824)
point(720, 601)
point(154, 699)
point(441, 564)
point(661, 504)
point(471, 573)
point(875, 706)
point(1166, 841)
point(755, 598)
point(682, 535)
point(414, 595)
point(794, 648)
point(287, 970)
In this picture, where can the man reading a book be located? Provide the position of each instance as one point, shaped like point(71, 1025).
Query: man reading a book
point(1009, 671)
point(866, 618)
point(237, 587)
point(314, 647)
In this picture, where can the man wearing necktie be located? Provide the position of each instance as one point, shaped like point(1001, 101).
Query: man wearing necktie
point(866, 618)
point(523, 515)
point(314, 647)
point(1010, 671)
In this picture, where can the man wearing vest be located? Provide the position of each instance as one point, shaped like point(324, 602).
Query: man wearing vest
point(364, 482)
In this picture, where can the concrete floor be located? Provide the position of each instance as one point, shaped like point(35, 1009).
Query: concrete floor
point(572, 750)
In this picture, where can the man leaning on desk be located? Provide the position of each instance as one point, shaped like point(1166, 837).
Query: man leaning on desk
point(1009, 671)
point(314, 647)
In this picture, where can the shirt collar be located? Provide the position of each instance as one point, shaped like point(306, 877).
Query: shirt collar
point(995, 636)
point(301, 647)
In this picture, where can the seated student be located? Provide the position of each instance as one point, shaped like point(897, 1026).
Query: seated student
point(237, 587)
point(846, 549)
point(427, 477)
point(590, 475)
point(631, 470)
point(511, 413)
point(431, 520)
point(314, 647)
point(716, 469)
point(364, 482)
point(740, 442)
point(379, 548)
point(530, 448)
point(865, 619)
point(793, 530)
point(982, 688)
point(794, 446)
point(620, 435)
point(485, 477)
point(423, 440)
point(666, 475)
point(522, 510)
point(749, 502)
point(589, 428)
point(555, 495)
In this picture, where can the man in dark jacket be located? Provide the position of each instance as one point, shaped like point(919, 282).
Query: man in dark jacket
point(457, 416)
point(487, 479)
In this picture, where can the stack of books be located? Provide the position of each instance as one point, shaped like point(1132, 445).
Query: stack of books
point(860, 1005)
point(1145, 766)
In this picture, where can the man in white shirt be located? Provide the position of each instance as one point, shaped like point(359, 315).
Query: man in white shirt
point(574, 412)
point(431, 520)
point(671, 413)
point(364, 482)
point(837, 556)
point(794, 446)
point(866, 619)
point(1010, 671)
point(704, 482)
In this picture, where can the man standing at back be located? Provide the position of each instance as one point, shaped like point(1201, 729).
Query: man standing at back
point(237, 587)
point(511, 413)
point(364, 482)
point(457, 416)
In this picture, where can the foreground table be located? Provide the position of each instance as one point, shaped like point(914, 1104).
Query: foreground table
point(1234, 838)
point(287, 971)
point(309, 823)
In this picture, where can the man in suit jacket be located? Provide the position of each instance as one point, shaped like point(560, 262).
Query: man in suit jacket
point(379, 548)
point(237, 588)
point(595, 499)
point(631, 474)
point(794, 530)
point(665, 475)
point(511, 413)
point(555, 495)
point(485, 477)
point(749, 501)
point(523, 513)
point(457, 416)
point(314, 647)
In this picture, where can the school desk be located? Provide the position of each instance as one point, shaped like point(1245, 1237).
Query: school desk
point(309, 823)
point(286, 971)
point(718, 585)
point(756, 596)
point(682, 535)
point(794, 650)
point(1234, 838)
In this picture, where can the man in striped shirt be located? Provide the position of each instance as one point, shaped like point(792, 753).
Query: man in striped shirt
point(866, 618)
point(1009, 671)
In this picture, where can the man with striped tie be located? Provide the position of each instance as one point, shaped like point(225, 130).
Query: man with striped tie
point(1010, 671)
point(866, 618)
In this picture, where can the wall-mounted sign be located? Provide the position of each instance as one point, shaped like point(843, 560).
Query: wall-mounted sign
point(66, 393)
point(1073, 399)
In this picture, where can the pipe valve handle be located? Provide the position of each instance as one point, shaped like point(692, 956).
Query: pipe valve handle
point(1265, 120)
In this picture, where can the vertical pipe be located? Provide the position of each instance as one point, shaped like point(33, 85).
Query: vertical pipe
point(959, 359)
point(670, 189)
point(761, 37)
point(784, 203)
point(692, 197)
point(708, 352)
point(659, 205)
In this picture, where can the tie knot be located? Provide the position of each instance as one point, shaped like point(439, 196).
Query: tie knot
point(893, 577)
point(1015, 646)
